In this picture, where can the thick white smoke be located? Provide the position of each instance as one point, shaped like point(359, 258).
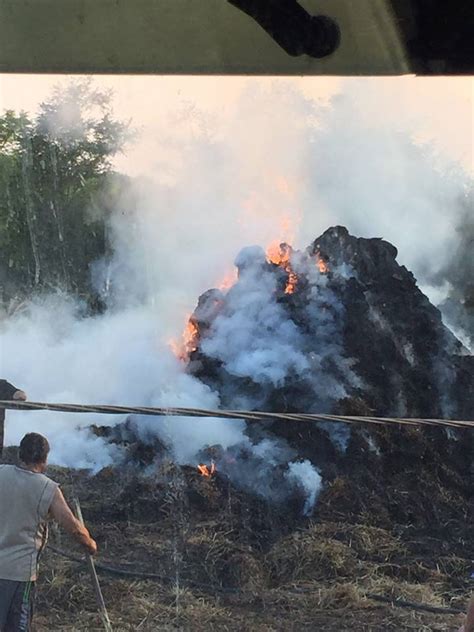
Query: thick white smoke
point(56, 355)
point(254, 337)
point(279, 165)
point(303, 473)
point(276, 166)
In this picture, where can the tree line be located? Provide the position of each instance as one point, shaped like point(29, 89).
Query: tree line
point(57, 189)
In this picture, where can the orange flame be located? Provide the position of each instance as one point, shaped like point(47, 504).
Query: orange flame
point(190, 337)
point(280, 255)
point(207, 471)
point(321, 264)
point(228, 281)
point(292, 283)
point(189, 341)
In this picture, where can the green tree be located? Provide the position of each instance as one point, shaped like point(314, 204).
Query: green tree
point(57, 187)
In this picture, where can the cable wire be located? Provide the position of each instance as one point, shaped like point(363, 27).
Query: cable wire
point(247, 415)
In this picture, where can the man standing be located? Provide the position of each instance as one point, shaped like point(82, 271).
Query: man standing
point(7, 391)
point(27, 499)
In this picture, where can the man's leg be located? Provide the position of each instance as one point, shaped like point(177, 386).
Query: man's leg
point(7, 592)
point(20, 616)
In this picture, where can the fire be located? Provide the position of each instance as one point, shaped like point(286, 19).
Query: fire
point(292, 283)
point(207, 471)
point(228, 281)
point(280, 255)
point(190, 336)
point(321, 264)
point(189, 341)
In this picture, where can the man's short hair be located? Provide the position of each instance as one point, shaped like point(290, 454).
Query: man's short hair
point(34, 449)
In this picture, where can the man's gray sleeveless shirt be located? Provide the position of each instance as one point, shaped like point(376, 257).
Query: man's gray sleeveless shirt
point(25, 500)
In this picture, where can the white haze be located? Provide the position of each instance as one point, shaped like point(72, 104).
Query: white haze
point(119, 359)
point(303, 473)
point(278, 167)
point(283, 167)
point(254, 337)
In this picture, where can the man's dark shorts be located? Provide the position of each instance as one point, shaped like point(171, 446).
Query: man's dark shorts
point(16, 605)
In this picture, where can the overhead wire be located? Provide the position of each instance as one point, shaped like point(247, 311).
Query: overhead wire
point(247, 415)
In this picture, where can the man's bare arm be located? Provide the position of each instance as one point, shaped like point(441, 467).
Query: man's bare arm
point(63, 515)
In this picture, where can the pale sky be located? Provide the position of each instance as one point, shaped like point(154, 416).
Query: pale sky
point(440, 109)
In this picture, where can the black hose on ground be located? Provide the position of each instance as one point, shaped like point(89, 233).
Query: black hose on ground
point(137, 574)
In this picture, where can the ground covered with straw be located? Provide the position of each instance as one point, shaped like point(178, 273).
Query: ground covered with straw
point(229, 561)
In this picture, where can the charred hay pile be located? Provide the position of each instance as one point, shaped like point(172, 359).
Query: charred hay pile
point(296, 526)
point(355, 335)
point(353, 330)
point(223, 558)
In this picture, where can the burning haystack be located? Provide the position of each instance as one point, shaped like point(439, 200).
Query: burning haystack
point(295, 526)
point(338, 326)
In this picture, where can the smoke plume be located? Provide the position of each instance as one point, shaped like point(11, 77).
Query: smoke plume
point(279, 166)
